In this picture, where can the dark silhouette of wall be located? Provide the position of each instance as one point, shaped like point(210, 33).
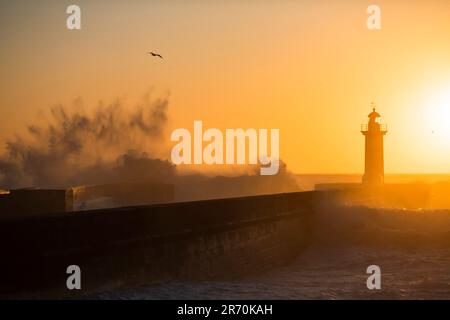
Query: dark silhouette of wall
point(392, 195)
point(211, 239)
point(123, 194)
point(28, 202)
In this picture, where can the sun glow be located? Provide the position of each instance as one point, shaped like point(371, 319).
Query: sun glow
point(437, 117)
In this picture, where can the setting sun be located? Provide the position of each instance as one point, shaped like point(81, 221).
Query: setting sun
point(437, 117)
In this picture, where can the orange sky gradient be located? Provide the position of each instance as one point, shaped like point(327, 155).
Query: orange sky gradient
point(309, 68)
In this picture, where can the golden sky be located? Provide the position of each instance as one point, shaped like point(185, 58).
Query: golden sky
point(309, 68)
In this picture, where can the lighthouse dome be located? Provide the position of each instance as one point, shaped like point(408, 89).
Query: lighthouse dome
point(374, 114)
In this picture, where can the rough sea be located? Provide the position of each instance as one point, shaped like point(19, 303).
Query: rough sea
point(412, 249)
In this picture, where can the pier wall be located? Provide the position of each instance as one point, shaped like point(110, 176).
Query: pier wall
point(201, 240)
point(31, 202)
point(400, 196)
point(215, 239)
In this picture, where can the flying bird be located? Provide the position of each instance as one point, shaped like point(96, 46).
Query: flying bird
point(155, 54)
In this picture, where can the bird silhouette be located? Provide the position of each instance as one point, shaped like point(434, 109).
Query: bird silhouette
point(155, 54)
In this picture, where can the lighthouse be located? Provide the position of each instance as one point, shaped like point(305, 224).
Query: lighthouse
point(374, 132)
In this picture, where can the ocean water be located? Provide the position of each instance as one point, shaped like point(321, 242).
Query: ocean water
point(323, 273)
point(412, 249)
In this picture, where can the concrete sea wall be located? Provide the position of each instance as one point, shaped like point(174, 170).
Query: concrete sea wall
point(31, 202)
point(405, 196)
point(215, 239)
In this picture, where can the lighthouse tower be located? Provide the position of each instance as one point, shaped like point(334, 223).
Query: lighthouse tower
point(374, 132)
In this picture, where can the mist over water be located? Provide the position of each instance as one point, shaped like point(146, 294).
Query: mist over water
point(84, 147)
point(81, 145)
